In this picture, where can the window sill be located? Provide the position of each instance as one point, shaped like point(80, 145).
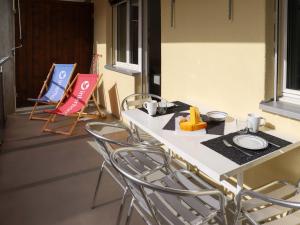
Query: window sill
point(285, 109)
point(122, 70)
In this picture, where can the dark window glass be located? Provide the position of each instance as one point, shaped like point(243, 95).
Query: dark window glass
point(134, 29)
point(121, 32)
point(293, 48)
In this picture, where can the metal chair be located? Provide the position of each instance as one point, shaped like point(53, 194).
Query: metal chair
point(143, 164)
point(136, 101)
point(176, 198)
point(277, 203)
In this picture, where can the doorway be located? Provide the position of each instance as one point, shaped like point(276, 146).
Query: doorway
point(53, 32)
point(154, 46)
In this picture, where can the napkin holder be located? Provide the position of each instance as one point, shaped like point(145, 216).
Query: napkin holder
point(195, 122)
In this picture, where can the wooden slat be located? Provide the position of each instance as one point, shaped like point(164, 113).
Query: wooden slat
point(291, 219)
point(272, 210)
point(279, 193)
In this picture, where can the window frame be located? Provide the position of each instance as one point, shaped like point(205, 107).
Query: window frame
point(289, 95)
point(127, 64)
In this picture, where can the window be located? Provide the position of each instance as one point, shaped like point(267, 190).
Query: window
point(291, 53)
point(127, 34)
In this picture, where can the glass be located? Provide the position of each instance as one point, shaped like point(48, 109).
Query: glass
point(134, 31)
point(242, 125)
point(121, 32)
point(162, 107)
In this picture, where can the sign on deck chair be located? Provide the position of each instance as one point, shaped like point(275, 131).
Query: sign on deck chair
point(60, 75)
point(75, 101)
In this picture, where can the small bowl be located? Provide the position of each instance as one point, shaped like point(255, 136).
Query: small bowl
point(217, 116)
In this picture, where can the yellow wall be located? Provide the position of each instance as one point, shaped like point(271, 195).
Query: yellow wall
point(210, 60)
point(115, 86)
point(225, 65)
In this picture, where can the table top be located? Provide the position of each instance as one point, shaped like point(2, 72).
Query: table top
point(188, 144)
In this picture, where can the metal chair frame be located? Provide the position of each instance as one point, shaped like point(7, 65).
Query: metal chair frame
point(143, 185)
point(105, 143)
point(255, 194)
point(138, 101)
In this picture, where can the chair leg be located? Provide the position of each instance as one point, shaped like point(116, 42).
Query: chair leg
point(73, 126)
point(53, 118)
point(101, 114)
point(98, 184)
point(122, 206)
point(34, 107)
point(129, 213)
point(46, 124)
point(225, 218)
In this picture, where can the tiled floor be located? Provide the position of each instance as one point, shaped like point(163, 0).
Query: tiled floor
point(49, 179)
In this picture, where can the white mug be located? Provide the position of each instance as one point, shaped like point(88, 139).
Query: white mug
point(254, 121)
point(151, 107)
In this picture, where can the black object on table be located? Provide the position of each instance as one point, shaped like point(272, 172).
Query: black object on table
point(213, 127)
point(238, 157)
point(178, 107)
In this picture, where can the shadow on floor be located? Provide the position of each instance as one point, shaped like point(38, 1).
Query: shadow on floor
point(49, 179)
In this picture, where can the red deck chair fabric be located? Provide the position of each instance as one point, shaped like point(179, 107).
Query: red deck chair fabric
point(75, 101)
point(83, 88)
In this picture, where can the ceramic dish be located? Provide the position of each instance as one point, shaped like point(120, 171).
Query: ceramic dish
point(166, 105)
point(251, 142)
point(217, 115)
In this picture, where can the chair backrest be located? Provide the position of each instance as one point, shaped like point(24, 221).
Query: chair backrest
point(137, 100)
point(82, 90)
point(269, 201)
point(168, 200)
point(61, 76)
point(96, 129)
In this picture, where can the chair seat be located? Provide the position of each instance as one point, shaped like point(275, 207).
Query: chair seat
point(266, 213)
point(291, 219)
point(180, 210)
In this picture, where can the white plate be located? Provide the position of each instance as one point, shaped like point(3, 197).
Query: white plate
point(251, 142)
point(217, 115)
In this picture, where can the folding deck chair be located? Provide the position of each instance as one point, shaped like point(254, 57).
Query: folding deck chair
point(53, 90)
point(75, 100)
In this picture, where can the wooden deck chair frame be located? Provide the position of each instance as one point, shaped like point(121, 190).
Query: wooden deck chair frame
point(45, 88)
point(79, 114)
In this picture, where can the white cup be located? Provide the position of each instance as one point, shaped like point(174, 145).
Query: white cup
point(151, 107)
point(254, 122)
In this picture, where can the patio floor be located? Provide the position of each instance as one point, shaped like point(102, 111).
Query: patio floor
point(48, 179)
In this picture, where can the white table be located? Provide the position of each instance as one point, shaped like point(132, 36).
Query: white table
point(187, 145)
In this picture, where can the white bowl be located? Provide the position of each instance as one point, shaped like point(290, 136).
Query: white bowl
point(217, 116)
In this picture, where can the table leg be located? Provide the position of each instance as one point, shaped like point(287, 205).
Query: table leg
point(239, 187)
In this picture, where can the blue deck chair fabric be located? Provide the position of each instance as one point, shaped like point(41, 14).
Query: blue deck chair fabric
point(59, 82)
